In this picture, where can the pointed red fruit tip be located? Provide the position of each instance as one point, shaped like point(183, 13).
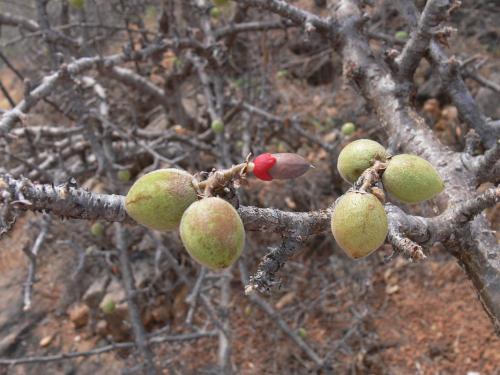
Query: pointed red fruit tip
point(280, 166)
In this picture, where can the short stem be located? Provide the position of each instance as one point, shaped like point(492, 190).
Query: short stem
point(371, 175)
point(219, 179)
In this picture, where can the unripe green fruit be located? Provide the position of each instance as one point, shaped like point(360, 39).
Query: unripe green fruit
point(358, 156)
point(217, 126)
point(248, 310)
point(411, 179)
point(97, 229)
point(107, 306)
point(220, 3)
point(359, 224)
point(158, 199)
point(348, 128)
point(282, 73)
point(124, 175)
point(302, 332)
point(212, 233)
point(215, 12)
point(401, 35)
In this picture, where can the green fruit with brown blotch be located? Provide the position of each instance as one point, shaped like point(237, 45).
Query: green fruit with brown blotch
point(359, 224)
point(358, 156)
point(411, 179)
point(158, 199)
point(212, 233)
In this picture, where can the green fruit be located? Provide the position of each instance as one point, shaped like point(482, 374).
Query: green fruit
point(411, 179)
point(359, 224)
point(217, 126)
point(158, 199)
point(212, 233)
point(401, 35)
point(77, 3)
point(220, 3)
point(107, 306)
point(215, 12)
point(124, 175)
point(177, 62)
point(282, 73)
point(348, 128)
point(302, 332)
point(358, 156)
point(97, 229)
point(248, 310)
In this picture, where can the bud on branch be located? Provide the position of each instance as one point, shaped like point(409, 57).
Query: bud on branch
point(281, 166)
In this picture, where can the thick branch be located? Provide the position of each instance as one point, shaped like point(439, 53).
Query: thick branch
point(433, 14)
point(449, 71)
point(452, 221)
point(63, 200)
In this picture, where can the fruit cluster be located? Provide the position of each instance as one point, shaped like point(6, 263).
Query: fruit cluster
point(212, 231)
point(359, 223)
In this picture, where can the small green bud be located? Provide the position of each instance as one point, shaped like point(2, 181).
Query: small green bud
point(248, 310)
point(158, 199)
point(177, 62)
point(215, 12)
point(124, 175)
point(90, 250)
point(359, 224)
point(217, 126)
point(302, 332)
point(282, 73)
point(97, 229)
point(107, 306)
point(401, 35)
point(348, 128)
point(411, 179)
point(358, 156)
point(212, 233)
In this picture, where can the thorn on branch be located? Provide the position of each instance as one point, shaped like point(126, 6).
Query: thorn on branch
point(32, 256)
point(265, 278)
point(405, 246)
